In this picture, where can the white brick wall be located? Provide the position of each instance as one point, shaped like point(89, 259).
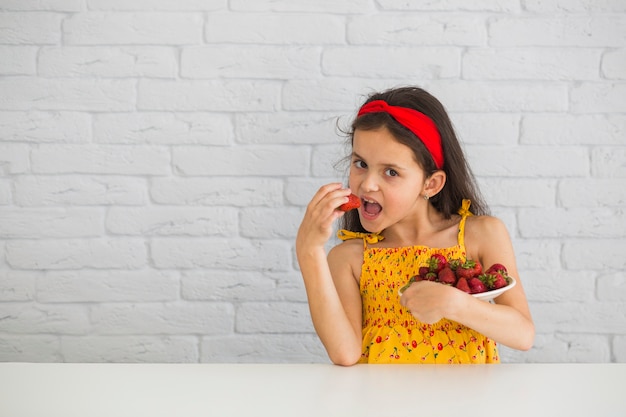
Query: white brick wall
point(156, 157)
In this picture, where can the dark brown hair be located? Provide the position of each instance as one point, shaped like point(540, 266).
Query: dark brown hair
point(460, 182)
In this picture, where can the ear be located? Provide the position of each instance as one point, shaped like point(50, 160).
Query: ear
point(434, 183)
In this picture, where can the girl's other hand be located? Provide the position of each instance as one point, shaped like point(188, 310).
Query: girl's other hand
point(317, 224)
point(429, 301)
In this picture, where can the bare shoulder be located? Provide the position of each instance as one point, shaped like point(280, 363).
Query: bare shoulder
point(485, 225)
point(485, 235)
point(347, 255)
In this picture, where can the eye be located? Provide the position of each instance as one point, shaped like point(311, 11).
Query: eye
point(391, 172)
point(360, 164)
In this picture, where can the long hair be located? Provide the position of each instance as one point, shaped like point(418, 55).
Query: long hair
point(460, 182)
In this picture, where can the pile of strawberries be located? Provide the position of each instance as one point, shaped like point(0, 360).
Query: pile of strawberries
point(467, 276)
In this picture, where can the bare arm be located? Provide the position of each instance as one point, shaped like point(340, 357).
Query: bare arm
point(332, 291)
point(508, 321)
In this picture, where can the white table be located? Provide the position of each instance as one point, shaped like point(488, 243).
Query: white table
point(178, 390)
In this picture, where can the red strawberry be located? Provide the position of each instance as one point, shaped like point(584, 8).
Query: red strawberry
point(423, 270)
point(437, 262)
point(353, 203)
point(497, 268)
point(494, 280)
point(431, 276)
point(476, 285)
point(462, 285)
point(499, 281)
point(469, 269)
point(446, 276)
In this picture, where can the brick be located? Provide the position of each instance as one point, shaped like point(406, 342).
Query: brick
point(575, 222)
point(236, 192)
point(130, 349)
point(25, 348)
point(251, 285)
point(176, 318)
point(509, 96)
point(519, 192)
point(14, 158)
point(264, 348)
point(18, 60)
point(275, 317)
point(595, 254)
point(418, 29)
point(107, 286)
point(611, 287)
point(40, 28)
point(486, 129)
point(346, 6)
point(398, 62)
point(451, 5)
point(160, 128)
point(76, 254)
point(534, 254)
point(608, 162)
point(53, 5)
point(50, 222)
point(67, 94)
point(172, 221)
point(580, 6)
point(270, 223)
point(538, 161)
point(599, 97)
point(548, 285)
point(103, 159)
point(297, 128)
point(531, 63)
point(161, 5)
point(230, 254)
point(597, 192)
point(32, 318)
point(238, 161)
point(583, 318)
point(340, 95)
point(250, 62)
point(45, 127)
point(578, 31)
point(274, 28)
point(5, 192)
point(148, 28)
point(569, 129)
point(184, 95)
point(564, 348)
point(300, 191)
point(80, 190)
point(106, 61)
point(17, 285)
point(613, 64)
point(619, 348)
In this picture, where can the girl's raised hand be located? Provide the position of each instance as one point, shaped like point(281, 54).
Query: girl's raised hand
point(317, 224)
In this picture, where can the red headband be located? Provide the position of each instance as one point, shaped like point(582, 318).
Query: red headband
point(421, 125)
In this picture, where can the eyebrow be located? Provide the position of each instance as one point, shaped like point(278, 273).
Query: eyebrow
point(385, 164)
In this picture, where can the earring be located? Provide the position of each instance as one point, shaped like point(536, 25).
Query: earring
point(426, 197)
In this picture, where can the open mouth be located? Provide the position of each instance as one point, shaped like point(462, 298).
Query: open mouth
point(371, 208)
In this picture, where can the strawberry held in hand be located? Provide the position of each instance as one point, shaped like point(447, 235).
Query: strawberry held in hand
point(354, 202)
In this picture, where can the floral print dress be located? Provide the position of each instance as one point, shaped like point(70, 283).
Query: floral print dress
point(391, 334)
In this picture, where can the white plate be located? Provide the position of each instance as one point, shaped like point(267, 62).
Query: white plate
point(489, 295)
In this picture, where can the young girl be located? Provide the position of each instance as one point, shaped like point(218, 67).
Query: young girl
point(415, 188)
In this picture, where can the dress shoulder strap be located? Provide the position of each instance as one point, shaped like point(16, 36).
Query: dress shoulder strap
point(464, 212)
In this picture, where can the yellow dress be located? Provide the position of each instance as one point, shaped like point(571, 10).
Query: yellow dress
point(390, 333)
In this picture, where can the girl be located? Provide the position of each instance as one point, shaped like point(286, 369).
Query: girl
point(415, 188)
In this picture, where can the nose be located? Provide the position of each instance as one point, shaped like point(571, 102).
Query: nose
point(370, 182)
